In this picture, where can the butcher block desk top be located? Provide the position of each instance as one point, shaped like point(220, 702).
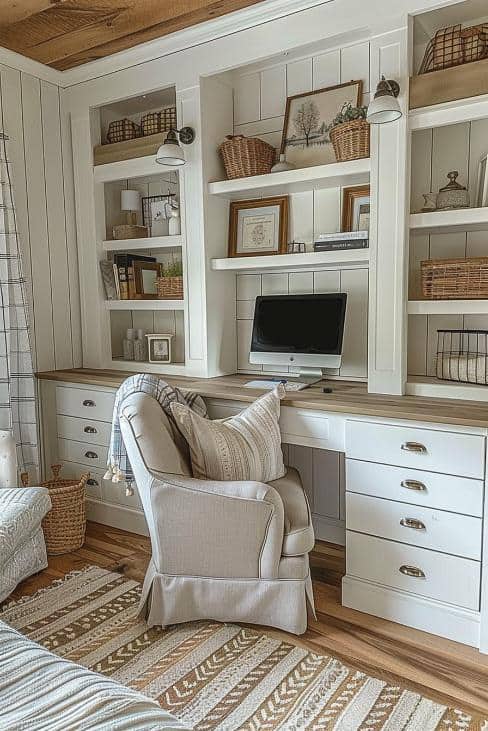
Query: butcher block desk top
point(346, 398)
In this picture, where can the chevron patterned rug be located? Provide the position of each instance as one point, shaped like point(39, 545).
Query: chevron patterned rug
point(216, 676)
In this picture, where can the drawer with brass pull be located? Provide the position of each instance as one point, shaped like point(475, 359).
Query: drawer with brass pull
point(438, 530)
point(85, 403)
point(84, 430)
point(417, 487)
point(416, 570)
point(435, 450)
point(90, 455)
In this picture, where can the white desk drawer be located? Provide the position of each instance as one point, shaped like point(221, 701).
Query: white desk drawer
point(427, 449)
point(114, 492)
point(94, 484)
point(91, 455)
point(100, 489)
point(445, 578)
point(84, 430)
point(85, 403)
point(438, 530)
point(432, 490)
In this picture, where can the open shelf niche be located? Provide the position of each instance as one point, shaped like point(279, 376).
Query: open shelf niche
point(444, 234)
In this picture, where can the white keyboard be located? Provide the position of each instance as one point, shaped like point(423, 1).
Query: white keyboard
point(269, 385)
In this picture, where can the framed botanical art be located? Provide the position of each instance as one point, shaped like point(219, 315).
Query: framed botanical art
point(356, 208)
point(145, 276)
point(308, 119)
point(258, 227)
point(482, 191)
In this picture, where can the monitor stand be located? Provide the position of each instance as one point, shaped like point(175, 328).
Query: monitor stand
point(308, 375)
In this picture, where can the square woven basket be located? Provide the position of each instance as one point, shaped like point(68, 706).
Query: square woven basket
point(447, 279)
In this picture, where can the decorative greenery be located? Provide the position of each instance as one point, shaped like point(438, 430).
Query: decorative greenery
point(173, 270)
point(348, 113)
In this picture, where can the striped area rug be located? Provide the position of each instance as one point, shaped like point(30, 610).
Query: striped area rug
point(217, 676)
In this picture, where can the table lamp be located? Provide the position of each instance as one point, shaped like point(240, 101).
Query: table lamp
point(130, 203)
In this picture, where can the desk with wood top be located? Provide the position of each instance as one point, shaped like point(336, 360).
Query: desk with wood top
point(414, 473)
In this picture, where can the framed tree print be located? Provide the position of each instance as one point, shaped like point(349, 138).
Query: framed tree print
point(308, 120)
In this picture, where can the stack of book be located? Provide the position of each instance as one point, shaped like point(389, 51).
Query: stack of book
point(118, 276)
point(340, 241)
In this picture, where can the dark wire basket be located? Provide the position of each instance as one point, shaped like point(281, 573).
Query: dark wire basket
point(462, 356)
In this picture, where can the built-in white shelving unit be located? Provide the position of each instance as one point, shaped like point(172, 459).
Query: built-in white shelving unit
point(334, 175)
point(145, 304)
point(425, 386)
point(316, 259)
point(447, 307)
point(463, 219)
point(124, 169)
point(151, 242)
point(174, 369)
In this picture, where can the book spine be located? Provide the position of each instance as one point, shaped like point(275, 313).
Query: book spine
point(131, 285)
point(340, 245)
point(124, 289)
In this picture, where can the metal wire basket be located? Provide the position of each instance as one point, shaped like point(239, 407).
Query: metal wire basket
point(462, 356)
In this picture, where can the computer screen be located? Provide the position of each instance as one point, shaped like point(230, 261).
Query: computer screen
point(311, 324)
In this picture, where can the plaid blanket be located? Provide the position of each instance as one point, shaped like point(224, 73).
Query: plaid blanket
point(118, 465)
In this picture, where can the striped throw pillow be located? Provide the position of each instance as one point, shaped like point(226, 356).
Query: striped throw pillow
point(243, 447)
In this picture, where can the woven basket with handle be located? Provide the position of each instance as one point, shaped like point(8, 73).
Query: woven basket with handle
point(65, 524)
point(246, 156)
point(350, 140)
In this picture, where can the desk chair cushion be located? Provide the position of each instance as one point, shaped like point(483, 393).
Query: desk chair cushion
point(242, 447)
point(298, 536)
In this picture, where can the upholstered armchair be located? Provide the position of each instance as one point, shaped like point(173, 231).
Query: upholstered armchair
point(228, 551)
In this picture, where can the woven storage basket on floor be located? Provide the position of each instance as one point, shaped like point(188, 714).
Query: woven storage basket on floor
point(170, 288)
point(350, 140)
point(447, 279)
point(246, 156)
point(65, 524)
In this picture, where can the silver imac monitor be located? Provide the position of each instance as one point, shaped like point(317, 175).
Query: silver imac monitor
point(301, 330)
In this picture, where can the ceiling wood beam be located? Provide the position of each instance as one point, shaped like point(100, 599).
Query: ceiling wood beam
point(14, 11)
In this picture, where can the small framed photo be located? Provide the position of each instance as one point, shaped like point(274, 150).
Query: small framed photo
point(258, 227)
point(308, 119)
point(145, 276)
point(154, 214)
point(356, 208)
point(159, 347)
point(482, 190)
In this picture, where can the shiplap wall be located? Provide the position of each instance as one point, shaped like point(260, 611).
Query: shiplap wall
point(33, 116)
point(435, 152)
point(259, 103)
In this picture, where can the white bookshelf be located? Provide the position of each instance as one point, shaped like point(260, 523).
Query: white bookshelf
point(145, 304)
point(433, 387)
point(151, 242)
point(447, 307)
point(439, 222)
point(333, 175)
point(316, 259)
point(138, 167)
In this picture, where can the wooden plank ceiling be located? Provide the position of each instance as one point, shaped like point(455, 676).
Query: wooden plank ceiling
point(67, 33)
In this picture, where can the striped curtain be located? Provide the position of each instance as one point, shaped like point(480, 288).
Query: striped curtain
point(18, 403)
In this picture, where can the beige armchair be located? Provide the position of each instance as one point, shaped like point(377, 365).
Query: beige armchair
point(228, 551)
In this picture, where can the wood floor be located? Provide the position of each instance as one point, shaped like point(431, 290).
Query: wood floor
point(440, 669)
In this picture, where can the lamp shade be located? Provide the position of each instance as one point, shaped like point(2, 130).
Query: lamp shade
point(170, 153)
point(383, 109)
point(129, 200)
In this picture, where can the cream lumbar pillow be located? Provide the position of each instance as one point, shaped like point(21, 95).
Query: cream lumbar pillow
point(242, 447)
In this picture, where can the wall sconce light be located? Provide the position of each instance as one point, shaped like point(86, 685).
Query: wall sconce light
point(170, 152)
point(385, 106)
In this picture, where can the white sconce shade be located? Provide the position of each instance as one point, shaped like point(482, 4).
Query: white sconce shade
point(130, 200)
point(385, 106)
point(171, 153)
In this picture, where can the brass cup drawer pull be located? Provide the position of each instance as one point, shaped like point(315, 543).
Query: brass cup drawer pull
point(412, 523)
point(414, 485)
point(414, 447)
point(412, 571)
point(90, 430)
point(88, 402)
point(92, 482)
point(91, 455)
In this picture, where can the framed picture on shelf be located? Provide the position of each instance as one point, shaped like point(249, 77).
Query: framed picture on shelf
point(258, 227)
point(308, 119)
point(482, 190)
point(159, 347)
point(155, 214)
point(145, 276)
point(356, 208)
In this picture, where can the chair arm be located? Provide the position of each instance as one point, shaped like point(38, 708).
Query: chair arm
point(216, 528)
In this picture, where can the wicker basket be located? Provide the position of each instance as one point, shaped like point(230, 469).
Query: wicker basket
point(129, 231)
point(454, 46)
point(246, 156)
point(447, 279)
point(170, 288)
point(156, 122)
point(64, 526)
point(350, 140)
point(122, 130)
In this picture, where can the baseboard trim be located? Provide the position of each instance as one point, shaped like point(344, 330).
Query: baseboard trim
point(329, 529)
point(117, 516)
point(444, 620)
